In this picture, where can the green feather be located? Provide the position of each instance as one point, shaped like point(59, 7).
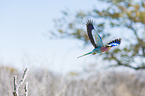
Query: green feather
point(85, 54)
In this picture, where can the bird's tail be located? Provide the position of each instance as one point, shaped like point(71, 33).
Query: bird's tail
point(85, 54)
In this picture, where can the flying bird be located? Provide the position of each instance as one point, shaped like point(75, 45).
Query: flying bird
point(97, 41)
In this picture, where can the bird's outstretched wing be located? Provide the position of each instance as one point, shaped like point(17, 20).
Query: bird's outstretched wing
point(113, 43)
point(90, 29)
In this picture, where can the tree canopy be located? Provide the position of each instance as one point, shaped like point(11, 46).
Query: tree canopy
point(126, 17)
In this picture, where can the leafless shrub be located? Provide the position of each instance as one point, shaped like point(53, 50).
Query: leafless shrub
point(105, 83)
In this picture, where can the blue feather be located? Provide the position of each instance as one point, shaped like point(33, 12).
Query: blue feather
point(115, 42)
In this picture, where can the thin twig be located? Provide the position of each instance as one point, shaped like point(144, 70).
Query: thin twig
point(23, 77)
point(15, 86)
point(26, 89)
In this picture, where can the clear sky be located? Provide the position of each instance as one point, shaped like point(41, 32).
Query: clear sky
point(24, 25)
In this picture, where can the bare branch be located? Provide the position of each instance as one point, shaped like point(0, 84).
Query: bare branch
point(129, 66)
point(17, 85)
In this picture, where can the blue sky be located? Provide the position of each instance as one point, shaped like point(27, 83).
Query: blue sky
point(23, 26)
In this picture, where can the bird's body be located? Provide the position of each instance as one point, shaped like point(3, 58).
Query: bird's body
point(97, 50)
point(97, 43)
point(103, 49)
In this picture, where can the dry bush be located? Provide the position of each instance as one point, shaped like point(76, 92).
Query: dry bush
point(105, 83)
